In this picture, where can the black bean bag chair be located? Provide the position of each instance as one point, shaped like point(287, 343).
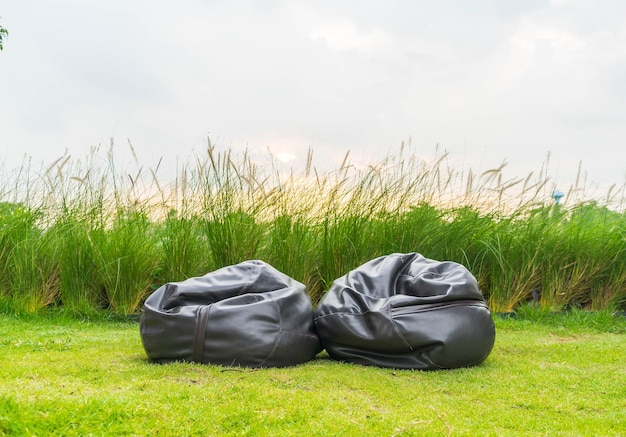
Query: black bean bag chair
point(408, 312)
point(249, 314)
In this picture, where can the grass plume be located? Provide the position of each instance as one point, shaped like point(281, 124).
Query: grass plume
point(89, 235)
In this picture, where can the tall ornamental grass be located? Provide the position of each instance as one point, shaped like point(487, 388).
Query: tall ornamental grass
point(88, 234)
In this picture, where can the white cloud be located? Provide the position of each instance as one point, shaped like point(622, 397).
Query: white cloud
point(342, 35)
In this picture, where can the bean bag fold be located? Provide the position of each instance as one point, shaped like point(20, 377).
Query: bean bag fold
point(248, 314)
point(406, 311)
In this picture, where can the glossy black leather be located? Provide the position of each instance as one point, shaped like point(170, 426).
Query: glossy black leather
point(249, 314)
point(406, 311)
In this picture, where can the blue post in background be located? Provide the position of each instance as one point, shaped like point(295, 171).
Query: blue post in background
point(557, 195)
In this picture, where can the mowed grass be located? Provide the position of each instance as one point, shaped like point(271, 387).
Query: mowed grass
point(547, 375)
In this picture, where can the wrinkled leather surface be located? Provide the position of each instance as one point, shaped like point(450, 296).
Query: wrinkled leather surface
point(406, 311)
point(249, 314)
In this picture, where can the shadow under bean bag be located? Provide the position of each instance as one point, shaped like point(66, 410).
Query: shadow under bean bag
point(248, 314)
point(406, 311)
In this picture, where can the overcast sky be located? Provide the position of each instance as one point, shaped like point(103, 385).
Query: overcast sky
point(487, 80)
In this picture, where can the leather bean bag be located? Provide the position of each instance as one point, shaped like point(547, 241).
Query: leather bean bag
point(408, 312)
point(249, 314)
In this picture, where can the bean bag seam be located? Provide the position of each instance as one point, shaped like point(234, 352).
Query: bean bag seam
point(279, 333)
point(305, 334)
point(249, 281)
point(341, 314)
point(395, 328)
point(200, 334)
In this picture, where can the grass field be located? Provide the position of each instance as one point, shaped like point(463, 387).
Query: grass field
point(549, 374)
point(82, 245)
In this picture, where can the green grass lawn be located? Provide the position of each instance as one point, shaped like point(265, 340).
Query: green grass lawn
point(559, 375)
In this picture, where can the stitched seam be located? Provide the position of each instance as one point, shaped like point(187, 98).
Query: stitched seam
point(341, 314)
point(280, 331)
point(305, 334)
point(248, 280)
point(200, 335)
point(395, 328)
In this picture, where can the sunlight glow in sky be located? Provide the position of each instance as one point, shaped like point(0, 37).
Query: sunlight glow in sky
point(486, 80)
